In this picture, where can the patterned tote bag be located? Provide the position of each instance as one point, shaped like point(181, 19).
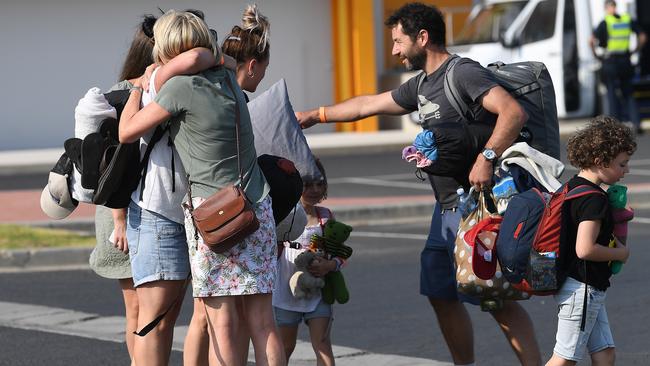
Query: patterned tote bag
point(478, 273)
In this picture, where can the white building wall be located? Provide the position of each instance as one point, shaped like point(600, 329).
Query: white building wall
point(53, 51)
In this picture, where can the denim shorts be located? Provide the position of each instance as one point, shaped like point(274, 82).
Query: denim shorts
point(157, 247)
point(286, 318)
point(570, 342)
point(437, 265)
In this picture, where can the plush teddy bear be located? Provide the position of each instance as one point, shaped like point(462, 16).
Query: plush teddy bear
point(334, 234)
point(302, 283)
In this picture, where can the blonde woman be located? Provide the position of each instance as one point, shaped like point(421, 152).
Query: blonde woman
point(201, 112)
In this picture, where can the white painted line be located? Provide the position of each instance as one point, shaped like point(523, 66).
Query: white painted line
point(639, 162)
point(394, 176)
point(640, 205)
point(639, 220)
point(373, 234)
point(384, 183)
point(111, 328)
point(641, 172)
point(370, 234)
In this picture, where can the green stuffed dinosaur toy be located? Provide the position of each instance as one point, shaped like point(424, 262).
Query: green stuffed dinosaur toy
point(334, 234)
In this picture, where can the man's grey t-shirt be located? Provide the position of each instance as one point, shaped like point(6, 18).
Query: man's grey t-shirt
point(472, 82)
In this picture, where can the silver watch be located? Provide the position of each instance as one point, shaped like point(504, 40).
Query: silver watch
point(489, 155)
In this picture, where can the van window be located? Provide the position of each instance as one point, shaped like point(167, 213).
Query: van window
point(489, 23)
point(541, 24)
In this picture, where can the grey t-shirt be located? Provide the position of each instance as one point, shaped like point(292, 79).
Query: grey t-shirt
point(203, 129)
point(122, 85)
point(472, 81)
point(105, 259)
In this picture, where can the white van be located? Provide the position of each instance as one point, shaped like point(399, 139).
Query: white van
point(555, 32)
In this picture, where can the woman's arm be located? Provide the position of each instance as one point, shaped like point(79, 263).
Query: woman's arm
point(134, 121)
point(187, 63)
point(119, 229)
point(588, 249)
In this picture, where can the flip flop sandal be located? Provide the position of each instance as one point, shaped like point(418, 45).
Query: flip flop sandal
point(109, 130)
point(92, 148)
point(72, 147)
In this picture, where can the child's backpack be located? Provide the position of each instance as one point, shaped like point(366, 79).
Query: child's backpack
point(531, 85)
point(530, 242)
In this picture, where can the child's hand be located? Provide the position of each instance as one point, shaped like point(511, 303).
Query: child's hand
point(624, 248)
point(146, 77)
point(319, 267)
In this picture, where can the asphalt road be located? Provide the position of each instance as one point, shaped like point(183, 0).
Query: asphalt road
point(385, 314)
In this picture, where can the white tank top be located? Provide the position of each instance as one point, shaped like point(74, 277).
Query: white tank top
point(158, 196)
point(282, 296)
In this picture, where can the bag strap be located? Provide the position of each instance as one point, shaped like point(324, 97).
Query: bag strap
point(484, 201)
point(147, 328)
point(580, 191)
point(237, 126)
point(157, 135)
point(487, 224)
point(241, 175)
point(584, 302)
point(452, 93)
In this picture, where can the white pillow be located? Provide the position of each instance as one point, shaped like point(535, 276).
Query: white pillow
point(277, 131)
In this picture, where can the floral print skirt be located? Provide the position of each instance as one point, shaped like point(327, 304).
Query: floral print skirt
point(247, 268)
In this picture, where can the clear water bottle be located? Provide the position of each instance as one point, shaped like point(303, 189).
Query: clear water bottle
point(462, 201)
point(467, 201)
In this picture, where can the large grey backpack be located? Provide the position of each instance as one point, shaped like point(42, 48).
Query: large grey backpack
point(531, 85)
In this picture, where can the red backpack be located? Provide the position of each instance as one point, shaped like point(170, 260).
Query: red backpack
point(528, 245)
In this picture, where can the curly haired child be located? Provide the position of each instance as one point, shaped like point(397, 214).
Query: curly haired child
point(601, 151)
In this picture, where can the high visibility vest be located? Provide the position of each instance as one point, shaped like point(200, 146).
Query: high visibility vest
point(618, 33)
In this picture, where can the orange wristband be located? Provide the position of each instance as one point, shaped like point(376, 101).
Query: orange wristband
point(321, 115)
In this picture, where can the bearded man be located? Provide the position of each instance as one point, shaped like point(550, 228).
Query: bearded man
point(418, 33)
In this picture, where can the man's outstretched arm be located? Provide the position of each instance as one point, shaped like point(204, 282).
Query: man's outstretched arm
point(351, 110)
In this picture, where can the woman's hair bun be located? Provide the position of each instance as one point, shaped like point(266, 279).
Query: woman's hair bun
point(254, 21)
point(196, 12)
point(147, 25)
